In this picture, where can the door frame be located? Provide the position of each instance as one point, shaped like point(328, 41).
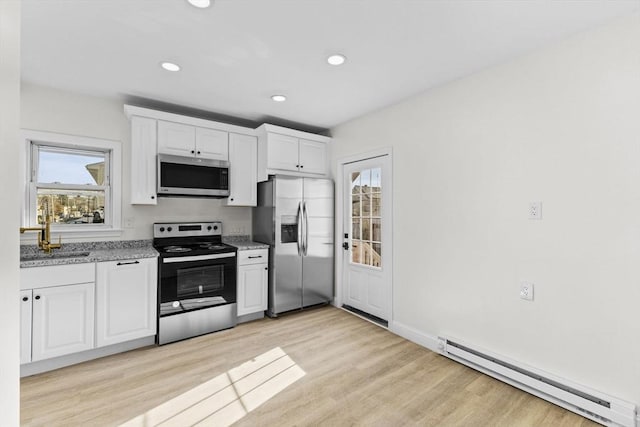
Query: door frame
point(339, 222)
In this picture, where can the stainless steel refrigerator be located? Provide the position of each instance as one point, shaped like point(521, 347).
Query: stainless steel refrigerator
point(295, 217)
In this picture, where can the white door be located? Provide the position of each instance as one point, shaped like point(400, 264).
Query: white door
point(25, 326)
point(62, 320)
point(367, 262)
point(176, 138)
point(252, 288)
point(212, 144)
point(313, 157)
point(126, 300)
point(243, 172)
point(282, 152)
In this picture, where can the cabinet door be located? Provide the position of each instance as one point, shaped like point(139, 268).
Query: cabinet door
point(282, 152)
point(126, 300)
point(25, 326)
point(243, 170)
point(313, 157)
point(143, 161)
point(252, 288)
point(176, 139)
point(62, 320)
point(212, 144)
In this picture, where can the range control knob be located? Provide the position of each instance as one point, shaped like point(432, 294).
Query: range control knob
point(169, 229)
point(215, 227)
point(161, 229)
point(209, 228)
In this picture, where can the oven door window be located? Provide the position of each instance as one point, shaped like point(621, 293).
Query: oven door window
point(199, 281)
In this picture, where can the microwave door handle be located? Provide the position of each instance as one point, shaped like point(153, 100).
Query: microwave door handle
point(299, 228)
point(306, 228)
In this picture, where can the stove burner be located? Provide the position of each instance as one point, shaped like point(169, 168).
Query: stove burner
point(211, 246)
point(173, 249)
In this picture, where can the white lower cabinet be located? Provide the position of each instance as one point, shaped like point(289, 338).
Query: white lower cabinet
point(25, 325)
point(253, 269)
point(126, 300)
point(62, 320)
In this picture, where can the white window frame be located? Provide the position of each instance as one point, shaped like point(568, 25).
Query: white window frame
point(113, 193)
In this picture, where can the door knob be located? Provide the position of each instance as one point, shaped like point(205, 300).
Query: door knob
point(345, 246)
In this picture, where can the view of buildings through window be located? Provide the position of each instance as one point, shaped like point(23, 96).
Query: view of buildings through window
point(366, 197)
point(71, 185)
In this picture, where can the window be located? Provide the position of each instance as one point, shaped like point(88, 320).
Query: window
point(366, 195)
point(74, 181)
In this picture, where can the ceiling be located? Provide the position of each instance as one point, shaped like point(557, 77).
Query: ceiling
point(237, 53)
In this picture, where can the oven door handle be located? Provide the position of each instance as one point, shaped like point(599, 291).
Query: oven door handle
point(198, 257)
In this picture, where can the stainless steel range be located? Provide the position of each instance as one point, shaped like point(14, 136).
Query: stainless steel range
point(196, 280)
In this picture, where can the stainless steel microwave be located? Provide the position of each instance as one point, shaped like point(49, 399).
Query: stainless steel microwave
point(192, 177)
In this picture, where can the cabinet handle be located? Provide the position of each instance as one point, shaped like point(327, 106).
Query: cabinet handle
point(37, 296)
point(198, 152)
point(266, 268)
point(297, 166)
point(257, 256)
point(25, 299)
point(128, 263)
point(231, 199)
point(301, 166)
point(153, 197)
point(192, 151)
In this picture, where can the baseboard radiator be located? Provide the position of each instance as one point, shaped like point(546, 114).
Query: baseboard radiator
point(590, 404)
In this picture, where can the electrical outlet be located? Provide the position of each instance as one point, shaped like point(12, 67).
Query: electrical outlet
point(130, 222)
point(526, 291)
point(535, 210)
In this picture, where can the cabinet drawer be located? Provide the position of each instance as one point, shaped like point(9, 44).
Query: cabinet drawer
point(253, 256)
point(55, 275)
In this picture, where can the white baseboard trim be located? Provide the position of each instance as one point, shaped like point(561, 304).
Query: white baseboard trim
point(71, 359)
point(414, 335)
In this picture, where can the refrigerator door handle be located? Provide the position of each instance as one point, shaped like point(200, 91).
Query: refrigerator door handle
point(306, 227)
point(299, 240)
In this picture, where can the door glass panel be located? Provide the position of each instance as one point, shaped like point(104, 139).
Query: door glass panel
point(355, 183)
point(366, 228)
point(366, 221)
point(355, 252)
point(355, 206)
point(356, 228)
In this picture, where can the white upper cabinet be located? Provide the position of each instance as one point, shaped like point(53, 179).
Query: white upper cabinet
point(313, 156)
point(291, 152)
point(243, 170)
point(185, 140)
point(212, 144)
point(143, 161)
point(176, 139)
point(282, 152)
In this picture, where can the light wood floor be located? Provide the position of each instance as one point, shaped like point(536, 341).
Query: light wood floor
point(356, 374)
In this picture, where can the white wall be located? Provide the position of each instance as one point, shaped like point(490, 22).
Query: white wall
point(58, 111)
point(9, 214)
point(561, 126)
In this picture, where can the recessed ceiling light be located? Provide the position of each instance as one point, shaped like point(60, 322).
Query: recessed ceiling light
point(200, 3)
point(279, 98)
point(170, 66)
point(336, 59)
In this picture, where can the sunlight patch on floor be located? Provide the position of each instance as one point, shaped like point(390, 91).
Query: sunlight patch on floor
point(226, 398)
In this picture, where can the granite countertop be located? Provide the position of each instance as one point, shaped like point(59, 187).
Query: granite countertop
point(243, 243)
point(86, 252)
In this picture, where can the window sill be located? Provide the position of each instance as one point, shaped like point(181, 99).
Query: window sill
point(85, 233)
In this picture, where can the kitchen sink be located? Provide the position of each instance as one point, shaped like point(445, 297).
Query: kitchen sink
point(53, 255)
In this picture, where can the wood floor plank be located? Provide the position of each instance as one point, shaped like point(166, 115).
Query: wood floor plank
point(356, 374)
